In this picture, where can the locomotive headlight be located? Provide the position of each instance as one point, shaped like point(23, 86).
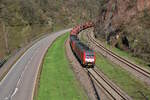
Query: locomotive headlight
point(89, 59)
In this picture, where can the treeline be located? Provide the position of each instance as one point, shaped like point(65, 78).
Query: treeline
point(23, 20)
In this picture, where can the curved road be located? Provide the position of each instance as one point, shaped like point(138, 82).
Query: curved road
point(20, 81)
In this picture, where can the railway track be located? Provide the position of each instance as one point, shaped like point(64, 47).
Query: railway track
point(138, 71)
point(110, 88)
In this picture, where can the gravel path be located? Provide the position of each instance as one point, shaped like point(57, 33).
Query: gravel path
point(90, 87)
point(133, 70)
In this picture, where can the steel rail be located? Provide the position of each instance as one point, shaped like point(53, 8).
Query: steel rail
point(112, 90)
point(121, 59)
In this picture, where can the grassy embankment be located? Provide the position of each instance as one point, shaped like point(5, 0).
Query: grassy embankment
point(128, 56)
point(132, 86)
point(57, 81)
point(123, 54)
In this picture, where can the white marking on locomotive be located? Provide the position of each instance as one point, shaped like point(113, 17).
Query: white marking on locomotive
point(89, 59)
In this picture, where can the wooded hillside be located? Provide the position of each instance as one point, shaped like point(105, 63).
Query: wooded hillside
point(21, 21)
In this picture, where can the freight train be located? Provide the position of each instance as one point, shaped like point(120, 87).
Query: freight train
point(85, 55)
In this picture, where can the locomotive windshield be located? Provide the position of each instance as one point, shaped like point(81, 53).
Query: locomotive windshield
point(90, 54)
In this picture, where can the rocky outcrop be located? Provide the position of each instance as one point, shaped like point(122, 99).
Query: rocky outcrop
point(125, 24)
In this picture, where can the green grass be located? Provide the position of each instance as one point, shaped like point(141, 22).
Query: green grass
point(57, 80)
point(123, 54)
point(128, 56)
point(122, 78)
point(127, 82)
point(82, 38)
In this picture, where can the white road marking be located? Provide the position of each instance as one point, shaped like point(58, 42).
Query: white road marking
point(25, 68)
point(37, 73)
point(33, 47)
point(15, 64)
point(16, 89)
point(6, 98)
point(19, 81)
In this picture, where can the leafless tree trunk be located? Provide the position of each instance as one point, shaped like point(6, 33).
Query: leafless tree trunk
point(5, 32)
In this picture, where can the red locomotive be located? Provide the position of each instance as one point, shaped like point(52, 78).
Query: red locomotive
point(85, 55)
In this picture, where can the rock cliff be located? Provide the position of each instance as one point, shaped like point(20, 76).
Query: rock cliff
point(126, 25)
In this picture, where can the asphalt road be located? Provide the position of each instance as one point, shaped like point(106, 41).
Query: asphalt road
point(20, 81)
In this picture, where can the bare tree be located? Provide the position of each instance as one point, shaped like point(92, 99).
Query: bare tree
point(5, 32)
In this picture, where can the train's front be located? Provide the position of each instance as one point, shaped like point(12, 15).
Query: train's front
point(90, 58)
